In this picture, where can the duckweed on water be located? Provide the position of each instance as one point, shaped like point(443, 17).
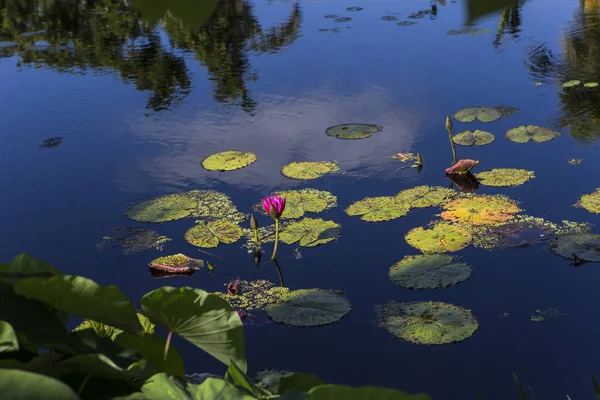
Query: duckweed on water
point(480, 210)
point(540, 315)
point(228, 160)
point(481, 113)
point(254, 295)
point(428, 271)
point(531, 133)
point(305, 200)
point(212, 233)
point(476, 138)
point(353, 131)
point(441, 238)
point(425, 196)
point(133, 239)
point(427, 322)
point(504, 177)
point(309, 169)
point(309, 232)
point(581, 245)
point(309, 307)
point(590, 202)
point(377, 209)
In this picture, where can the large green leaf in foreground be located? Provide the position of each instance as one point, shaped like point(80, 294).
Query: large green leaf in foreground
point(16, 384)
point(504, 177)
point(24, 265)
point(335, 392)
point(8, 338)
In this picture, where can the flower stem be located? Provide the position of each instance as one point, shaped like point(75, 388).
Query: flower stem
point(85, 381)
point(167, 345)
point(276, 239)
point(452, 146)
point(278, 272)
point(256, 237)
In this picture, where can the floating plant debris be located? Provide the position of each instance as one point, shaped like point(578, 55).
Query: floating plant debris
point(428, 271)
point(406, 23)
point(343, 19)
point(503, 315)
point(52, 142)
point(331, 16)
point(575, 161)
point(301, 201)
point(269, 378)
point(533, 133)
point(476, 138)
point(389, 18)
point(441, 238)
point(462, 167)
point(309, 307)
point(228, 160)
point(468, 31)
point(133, 239)
point(540, 315)
point(405, 157)
point(104, 330)
point(425, 196)
point(254, 295)
point(377, 209)
point(481, 113)
point(176, 264)
point(504, 177)
point(585, 246)
point(480, 210)
point(353, 131)
point(427, 322)
point(354, 9)
point(590, 202)
point(309, 169)
point(591, 84)
point(212, 233)
point(309, 232)
point(572, 83)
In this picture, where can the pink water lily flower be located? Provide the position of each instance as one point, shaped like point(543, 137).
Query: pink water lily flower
point(274, 205)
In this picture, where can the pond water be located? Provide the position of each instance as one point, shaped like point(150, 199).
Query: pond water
point(140, 96)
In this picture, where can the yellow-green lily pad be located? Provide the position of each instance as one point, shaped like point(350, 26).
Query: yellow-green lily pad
point(480, 210)
point(309, 307)
point(585, 246)
point(229, 160)
point(353, 131)
point(591, 85)
point(309, 169)
point(441, 238)
point(428, 271)
point(531, 133)
point(427, 322)
point(377, 209)
point(481, 113)
point(212, 233)
point(572, 83)
point(504, 177)
point(301, 201)
point(591, 201)
point(309, 232)
point(425, 196)
point(473, 138)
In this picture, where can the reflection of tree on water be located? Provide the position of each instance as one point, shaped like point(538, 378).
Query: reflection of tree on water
point(510, 23)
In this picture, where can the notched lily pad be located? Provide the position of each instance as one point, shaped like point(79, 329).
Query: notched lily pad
point(480, 210)
point(133, 239)
point(425, 196)
point(504, 177)
point(427, 322)
point(377, 209)
point(309, 307)
point(309, 232)
point(476, 138)
point(590, 202)
point(441, 238)
point(301, 201)
point(353, 131)
point(584, 246)
point(481, 113)
point(212, 233)
point(229, 160)
point(506, 111)
point(428, 271)
point(531, 133)
point(309, 169)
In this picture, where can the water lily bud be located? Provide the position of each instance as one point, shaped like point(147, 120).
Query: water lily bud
point(448, 123)
point(253, 222)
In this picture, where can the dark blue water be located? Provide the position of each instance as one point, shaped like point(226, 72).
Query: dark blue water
point(140, 102)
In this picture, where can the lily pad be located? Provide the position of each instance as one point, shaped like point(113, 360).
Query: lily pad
point(480, 210)
point(441, 238)
point(476, 138)
point(406, 23)
point(229, 160)
point(591, 202)
point(331, 16)
point(389, 18)
point(309, 307)
point(343, 19)
point(133, 239)
point(504, 177)
point(581, 245)
point(531, 133)
point(309, 169)
point(377, 209)
point(428, 271)
point(425, 196)
point(212, 233)
point(591, 84)
point(427, 322)
point(301, 201)
point(481, 113)
point(353, 131)
point(521, 232)
point(177, 263)
point(572, 83)
point(309, 232)
point(254, 295)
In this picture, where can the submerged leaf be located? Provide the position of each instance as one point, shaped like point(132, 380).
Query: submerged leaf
point(533, 133)
point(481, 113)
point(462, 167)
point(310, 232)
point(353, 131)
point(581, 245)
point(591, 202)
point(133, 239)
point(228, 160)
point(441, 238)
point(309, 307)
point(476, 138)
point(309, 169)
point(212, 233)
point(504, 177)
point(425, 196)
point(480, 210)
point(304, 200)
point(376, 209)
point(428, 271)
point(427, 322)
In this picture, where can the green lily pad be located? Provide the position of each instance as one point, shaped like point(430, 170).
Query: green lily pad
point(476, 138)
point(481, 113)
point(304, 200)
point(309, 307)
point(428, 271)
point(582, 245)
point(177, 261)
point(504, 177)
point(591, 84)
point(376, 209)
point(229, 160)
point(309, 169)
point(441, 238)
point(212, 233)
point(531, 133)
point(15, 384)
point(427, 322)
point(591, 201)
point(425, 196)
point(480, 210)
point(353, 131)
point(572, 83)
point(254, 295)
point(309, 232)
point(8, 338)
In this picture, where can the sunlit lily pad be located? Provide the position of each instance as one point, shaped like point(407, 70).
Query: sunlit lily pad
point(228, 160)
point(177, 261)
point(254, 295)
point(309, 232)
point(427, 322)
point(572, 83)
point(504, 177)
point(481, 113)
point(533, 133)
point(309, 169)
point(480, 210)
point(212, 233)
point(353, 131)
point(377, 209)
point(428, 271)
point(591, 202)
point(309, 307)
point(425, 196)
point(591, 85)
point(476, 138)
point(441, 238)
point(581, 245)
point(304, 200)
